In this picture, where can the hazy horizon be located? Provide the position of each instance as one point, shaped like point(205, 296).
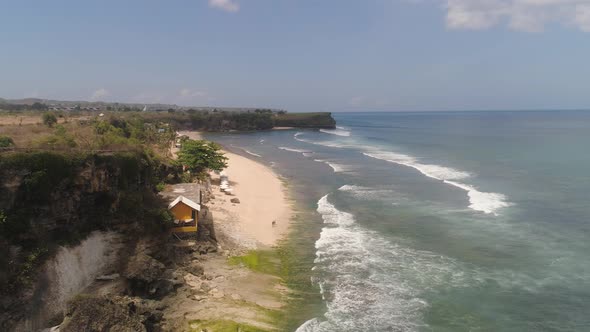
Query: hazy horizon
point(393, 56)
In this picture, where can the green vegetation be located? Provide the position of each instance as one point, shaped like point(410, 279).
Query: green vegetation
point(6, 141)
point(200, 156)
point(305, 120)
point(222, 326)
point(263, 261)
point(60, 139)
point(220, 121)
point(48, 214)
point(49, 119)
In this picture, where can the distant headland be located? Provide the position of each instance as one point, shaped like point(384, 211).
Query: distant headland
point(187, 117)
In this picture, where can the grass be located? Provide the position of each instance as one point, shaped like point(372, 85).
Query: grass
point(263, 261)
point(222, 326)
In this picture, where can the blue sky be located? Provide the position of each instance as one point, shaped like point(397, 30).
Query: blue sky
point(301, 55)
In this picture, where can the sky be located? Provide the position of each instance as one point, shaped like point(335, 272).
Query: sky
point(301, 55)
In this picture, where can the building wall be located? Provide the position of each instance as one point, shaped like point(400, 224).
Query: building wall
point(182, 211)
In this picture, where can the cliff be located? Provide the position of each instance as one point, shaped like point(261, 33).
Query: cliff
point(305, 120)
point(50, 202)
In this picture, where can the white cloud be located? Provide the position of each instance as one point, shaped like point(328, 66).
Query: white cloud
point(227, 5)
point(362, 101)
point(583, 17)
point(522, 15)
point(188, 93)
point(100, 94)
point(356, 101)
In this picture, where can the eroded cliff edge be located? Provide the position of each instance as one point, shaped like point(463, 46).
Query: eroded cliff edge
point(65, 220)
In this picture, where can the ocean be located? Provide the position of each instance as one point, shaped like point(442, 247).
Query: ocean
point(439, 221)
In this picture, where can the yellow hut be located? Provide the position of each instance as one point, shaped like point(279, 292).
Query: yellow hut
point(186, 215)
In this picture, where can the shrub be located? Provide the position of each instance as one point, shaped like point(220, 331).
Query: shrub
point(6, 141)
point(49, 119)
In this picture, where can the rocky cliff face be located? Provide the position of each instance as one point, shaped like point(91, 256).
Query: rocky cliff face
point(49, 205)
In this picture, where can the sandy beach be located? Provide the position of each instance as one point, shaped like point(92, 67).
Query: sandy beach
point(249, 224)
point(233, 292)
point(262, 202)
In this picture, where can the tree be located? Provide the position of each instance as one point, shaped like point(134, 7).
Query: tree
point(49, 119)
point(6, 141)
point(200, 156)
point(38, 106)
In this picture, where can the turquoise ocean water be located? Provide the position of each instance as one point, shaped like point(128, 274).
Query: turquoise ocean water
point(442, 221)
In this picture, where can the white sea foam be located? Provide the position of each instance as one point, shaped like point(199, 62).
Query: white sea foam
point(482, 201)
point(370, 283)
point(478, 200)
point(311, 325)
point(331, 215)
point(367, 193)
point(293, 149)
point(337, 132)
point(330, 144)
point(486, 202)
point(338, 168)
point(432, 171)
point(252, 153)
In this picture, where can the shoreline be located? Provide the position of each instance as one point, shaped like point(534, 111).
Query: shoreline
point(263, 199)
point(242, 284)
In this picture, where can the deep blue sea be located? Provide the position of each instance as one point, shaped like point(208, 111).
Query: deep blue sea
point(442, 221)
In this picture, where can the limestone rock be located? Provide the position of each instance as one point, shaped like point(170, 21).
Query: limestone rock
point(192, 281)
point(144, 268)
point(96, 314)
point(205, 287)
point(196, 269)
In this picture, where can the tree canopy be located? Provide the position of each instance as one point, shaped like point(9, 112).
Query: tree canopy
point(49, 119)
point(199, 155)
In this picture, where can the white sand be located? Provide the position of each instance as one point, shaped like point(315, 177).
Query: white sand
point(262, 199)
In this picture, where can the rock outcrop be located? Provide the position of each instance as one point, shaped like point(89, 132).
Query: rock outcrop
point(110, 313)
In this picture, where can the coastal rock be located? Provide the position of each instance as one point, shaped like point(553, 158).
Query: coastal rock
point(196, 269)
point(89, 313)
point(205, 287)
point(192, 281)
point(216, 293)
point(144, 268)
point(204, 248)
point(162, 288)
point(235, 200)
point(109, 277)
point(148, 277)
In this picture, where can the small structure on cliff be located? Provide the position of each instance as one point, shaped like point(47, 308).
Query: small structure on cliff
point(186, 214)
point(185, 206)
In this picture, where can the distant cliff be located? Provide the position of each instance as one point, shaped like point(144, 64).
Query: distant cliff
point(305, 120)
point(258, 120)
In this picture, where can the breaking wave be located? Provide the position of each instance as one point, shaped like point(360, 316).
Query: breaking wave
point(366, 193)
point(252, 153)
point(478, 200)
point(338, 168)
point(369, 283)
point(294, 150)
point(339, 131)
point(486, 202)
